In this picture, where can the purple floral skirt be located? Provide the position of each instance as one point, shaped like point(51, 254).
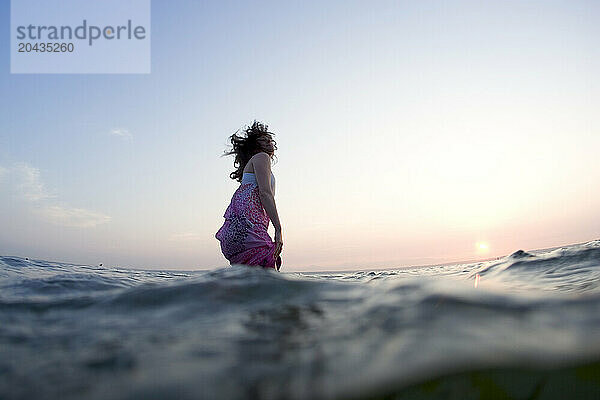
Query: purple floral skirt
point(243, 236)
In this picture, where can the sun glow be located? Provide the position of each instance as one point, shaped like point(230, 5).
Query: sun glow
point(482, 247)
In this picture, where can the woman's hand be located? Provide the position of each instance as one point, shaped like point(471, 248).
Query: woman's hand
point(278, 243)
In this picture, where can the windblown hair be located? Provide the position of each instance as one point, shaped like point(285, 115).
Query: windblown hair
point(245, 145)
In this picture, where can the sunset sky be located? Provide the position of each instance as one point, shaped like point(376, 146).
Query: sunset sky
point(409, 132)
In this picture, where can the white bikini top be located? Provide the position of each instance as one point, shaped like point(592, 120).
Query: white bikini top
point(249, 177)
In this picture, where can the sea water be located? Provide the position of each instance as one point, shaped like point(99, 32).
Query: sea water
point(524, 326)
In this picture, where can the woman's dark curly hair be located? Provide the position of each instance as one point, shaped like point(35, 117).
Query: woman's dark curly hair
point(246, 144)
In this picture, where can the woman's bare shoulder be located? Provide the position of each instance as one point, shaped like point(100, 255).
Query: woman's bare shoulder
point(262, 156)
point(259, 159)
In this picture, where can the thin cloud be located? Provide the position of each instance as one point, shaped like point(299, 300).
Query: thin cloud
point(73, 217)
point(121, 132)
point(29, 185)
point(25, 183)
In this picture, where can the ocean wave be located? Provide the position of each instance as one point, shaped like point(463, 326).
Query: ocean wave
point(240, 332)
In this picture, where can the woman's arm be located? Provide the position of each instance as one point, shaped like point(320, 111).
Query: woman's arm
point(262, 170)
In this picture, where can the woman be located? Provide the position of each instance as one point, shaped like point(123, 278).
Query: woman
point(243, 236)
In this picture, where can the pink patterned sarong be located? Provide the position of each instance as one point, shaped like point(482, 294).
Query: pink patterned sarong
point(244, 238)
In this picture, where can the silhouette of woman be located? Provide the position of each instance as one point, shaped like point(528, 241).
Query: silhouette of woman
point(243, 236)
